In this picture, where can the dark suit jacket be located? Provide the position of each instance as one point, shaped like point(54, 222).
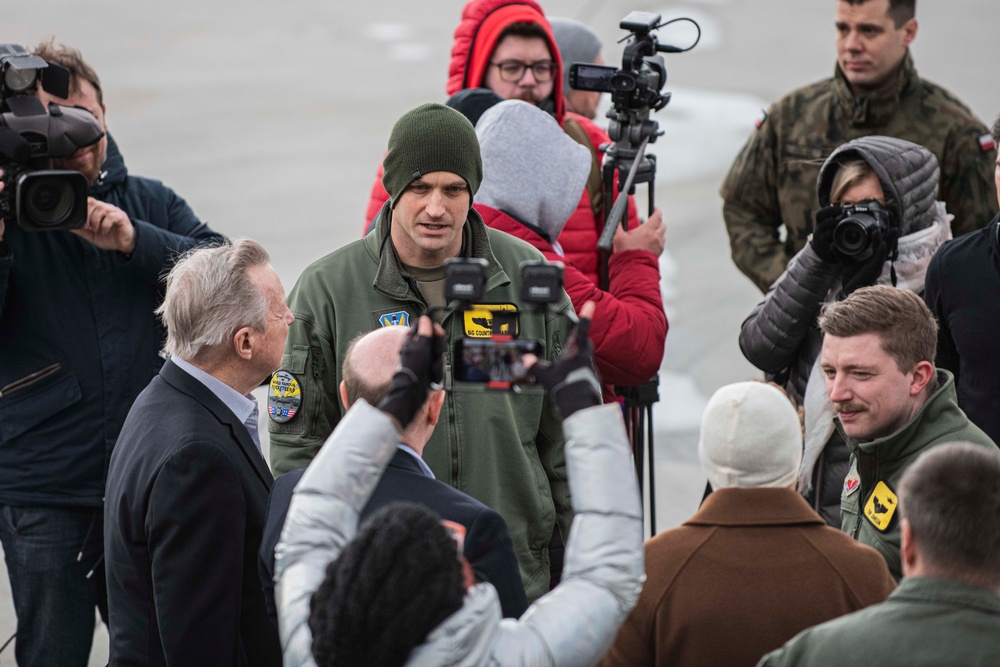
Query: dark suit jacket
point(186, 497)
point(488, 546)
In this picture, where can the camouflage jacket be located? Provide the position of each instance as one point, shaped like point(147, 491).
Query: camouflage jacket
point(773, 180)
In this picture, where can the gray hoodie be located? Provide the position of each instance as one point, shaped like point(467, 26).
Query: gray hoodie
point(532, 170)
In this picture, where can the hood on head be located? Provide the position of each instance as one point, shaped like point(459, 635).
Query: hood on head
point(532, 170)
point(908, 173)
point(476, 37)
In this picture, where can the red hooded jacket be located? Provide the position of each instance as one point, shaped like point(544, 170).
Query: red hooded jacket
point(629, 324)
point(475, 39)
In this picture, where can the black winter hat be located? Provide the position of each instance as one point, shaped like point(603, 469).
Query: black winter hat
point(430, 138)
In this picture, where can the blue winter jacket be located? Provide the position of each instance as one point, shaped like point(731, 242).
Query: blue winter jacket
point(79, 339)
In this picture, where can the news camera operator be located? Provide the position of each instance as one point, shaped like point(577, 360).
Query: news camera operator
point(332, 611)
point(781, 336)
point(78, 342)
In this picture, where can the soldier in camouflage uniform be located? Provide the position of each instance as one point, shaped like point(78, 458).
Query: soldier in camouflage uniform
point(875, 90)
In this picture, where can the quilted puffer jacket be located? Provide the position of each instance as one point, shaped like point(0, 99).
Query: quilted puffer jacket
point(574, 624)
point(781, 336)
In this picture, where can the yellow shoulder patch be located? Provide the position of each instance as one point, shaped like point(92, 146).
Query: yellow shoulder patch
point(478, 320)
point(881, 506)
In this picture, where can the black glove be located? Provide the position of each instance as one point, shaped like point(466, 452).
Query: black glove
point(864, 273)
point(420, 365)
point(572, 381)
point(822, 237)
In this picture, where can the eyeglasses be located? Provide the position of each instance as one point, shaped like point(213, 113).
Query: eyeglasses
point(512, 71)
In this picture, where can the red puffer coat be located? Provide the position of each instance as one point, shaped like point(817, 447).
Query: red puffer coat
point(629, 325)
point(475, 39)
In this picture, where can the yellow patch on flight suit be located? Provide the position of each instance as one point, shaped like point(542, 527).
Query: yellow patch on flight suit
point(881, 506)
point(478, 320)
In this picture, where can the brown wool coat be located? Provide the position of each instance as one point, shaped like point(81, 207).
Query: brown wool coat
point(750, 570)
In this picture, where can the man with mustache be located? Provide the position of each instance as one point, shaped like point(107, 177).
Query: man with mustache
point(891, 404)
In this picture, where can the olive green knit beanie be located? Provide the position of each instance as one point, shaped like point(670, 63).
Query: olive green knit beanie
point(431, 137)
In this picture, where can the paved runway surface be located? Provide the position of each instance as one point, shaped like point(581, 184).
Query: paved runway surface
point(270, 119)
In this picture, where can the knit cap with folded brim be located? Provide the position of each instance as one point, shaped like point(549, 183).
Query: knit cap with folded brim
point(431, 138)
point(751, 437)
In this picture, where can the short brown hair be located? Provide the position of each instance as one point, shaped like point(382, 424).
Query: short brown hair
point(526, 29)
point(71, 59)
point(951, 497)
point(901, 11)
point(905, 326)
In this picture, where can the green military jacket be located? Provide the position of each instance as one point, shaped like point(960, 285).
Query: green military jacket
point(503, 448)
point(868, 502)
point(772, 183)
point(924, 623)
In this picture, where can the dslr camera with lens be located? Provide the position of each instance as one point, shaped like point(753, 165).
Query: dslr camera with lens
point(860, 228)
point(495, 356)
point(35, 196)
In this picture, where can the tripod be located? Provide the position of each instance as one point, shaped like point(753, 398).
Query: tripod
point(630, 163)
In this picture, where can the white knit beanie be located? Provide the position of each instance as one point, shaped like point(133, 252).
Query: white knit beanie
point(750, 437)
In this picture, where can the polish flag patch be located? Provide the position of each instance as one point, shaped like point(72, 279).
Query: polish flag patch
point(986, 143)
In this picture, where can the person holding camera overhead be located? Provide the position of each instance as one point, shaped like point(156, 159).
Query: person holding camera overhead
point(879, 223)
point(78, 342)
point(504, 448)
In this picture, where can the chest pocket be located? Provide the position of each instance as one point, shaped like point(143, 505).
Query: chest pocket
point(26, 405)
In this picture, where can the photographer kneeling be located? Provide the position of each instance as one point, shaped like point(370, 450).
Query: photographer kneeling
point(330, 580)
point(854, 244)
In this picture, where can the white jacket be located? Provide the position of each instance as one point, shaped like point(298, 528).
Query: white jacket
point(573, 625)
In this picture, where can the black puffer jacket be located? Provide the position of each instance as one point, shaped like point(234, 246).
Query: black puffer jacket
point(79, 340)
point(781, 337)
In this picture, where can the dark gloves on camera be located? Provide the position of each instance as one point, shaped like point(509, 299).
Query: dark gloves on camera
point(856, 275)
point(572, 381)
point(421, 365)
point(822, 237)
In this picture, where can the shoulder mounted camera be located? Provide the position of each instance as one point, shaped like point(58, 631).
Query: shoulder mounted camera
point(35, 196)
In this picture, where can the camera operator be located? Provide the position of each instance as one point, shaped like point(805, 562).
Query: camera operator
point(523, 195)
point(781, 336)
point(508, 47)
point(78, 342)
point(332, 610)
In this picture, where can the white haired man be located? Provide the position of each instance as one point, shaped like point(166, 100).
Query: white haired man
point(187, 485)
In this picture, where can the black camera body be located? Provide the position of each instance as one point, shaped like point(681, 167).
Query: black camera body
point(496, 358)
point(35, 196)
point(860, 228)
point(635, 87)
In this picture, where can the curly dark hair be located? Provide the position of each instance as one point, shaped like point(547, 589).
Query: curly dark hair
point(397, 580)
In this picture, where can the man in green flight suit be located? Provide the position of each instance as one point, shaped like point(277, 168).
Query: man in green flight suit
point(874, 90)
point(891, 404)
point(947, 609)
point(503, 448)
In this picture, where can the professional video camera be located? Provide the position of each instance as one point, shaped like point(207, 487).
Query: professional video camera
point(859, 229)
point(35, 196)
point(493, 354)
point(635, 91)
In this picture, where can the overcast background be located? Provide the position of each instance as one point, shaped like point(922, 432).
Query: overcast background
point(271, 119)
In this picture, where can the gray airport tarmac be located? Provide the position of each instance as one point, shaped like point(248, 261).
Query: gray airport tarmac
point(271, 118)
